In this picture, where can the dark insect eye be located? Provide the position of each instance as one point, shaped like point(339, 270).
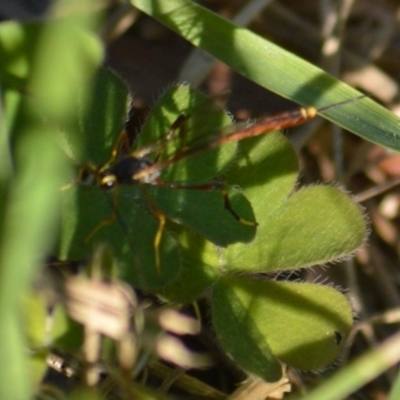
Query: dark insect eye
point(86, 177)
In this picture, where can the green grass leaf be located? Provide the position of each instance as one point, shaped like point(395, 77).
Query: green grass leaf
point(30, 189)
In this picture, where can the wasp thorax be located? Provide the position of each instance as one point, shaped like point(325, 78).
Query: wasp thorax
point(125, 169)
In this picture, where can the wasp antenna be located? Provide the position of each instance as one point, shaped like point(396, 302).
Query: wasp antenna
point(352, 100)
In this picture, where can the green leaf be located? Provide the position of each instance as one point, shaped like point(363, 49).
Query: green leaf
point(239, 334)
point(200, 262)
point(201, 208)
point(265, 169)
point(204, 211)
point(28, 205)
point(37, 366)
point(41, 335)
point(129, 206)
point(302, 324)
point(133, 208)
point(275, 68)
point(91, 216)
point(35, 316)
point(16, 49)
point(395, 390)
point(101, 116)
point(204, 118)
point(314, 225)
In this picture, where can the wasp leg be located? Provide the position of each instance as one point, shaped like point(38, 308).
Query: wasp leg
point(160, 145)
point(176, 126)
point(158, 237)
point(160, 230)
point(122, 141)
point(104, 222)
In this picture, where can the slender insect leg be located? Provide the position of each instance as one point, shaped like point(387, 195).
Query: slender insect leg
point(176, 125)
point(104, 222)
point(160, 145)
point(158, 237)
point(160, 230)
point(122, 141)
